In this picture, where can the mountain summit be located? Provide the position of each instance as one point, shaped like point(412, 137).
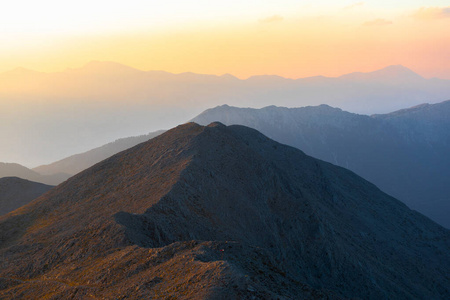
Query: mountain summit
point(396, 74)
point(404, 153)
point(220, 212)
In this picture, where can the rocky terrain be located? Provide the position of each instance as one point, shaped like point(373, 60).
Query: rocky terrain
point(16, 192)
point(220, 212)
point(405, 153)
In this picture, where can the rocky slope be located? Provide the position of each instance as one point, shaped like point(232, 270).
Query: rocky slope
point(404, 153)
point(16, 192)
point(220, 213)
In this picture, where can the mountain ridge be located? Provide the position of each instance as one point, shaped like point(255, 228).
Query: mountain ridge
point(81, 161)
point(112, 66)
point(17, 170)
point(105, 101)
point(220, 212)
point(403, 152)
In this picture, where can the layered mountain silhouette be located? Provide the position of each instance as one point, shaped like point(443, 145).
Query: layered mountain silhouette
point(405, 153)
point(16, 170)
point(104, 101)
point(79, 162)
point(16, 192)
point(220, 212)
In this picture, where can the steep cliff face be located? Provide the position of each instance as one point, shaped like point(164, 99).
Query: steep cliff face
point(219, 212)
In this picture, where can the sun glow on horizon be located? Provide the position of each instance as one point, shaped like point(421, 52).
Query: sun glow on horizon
point(288, 38)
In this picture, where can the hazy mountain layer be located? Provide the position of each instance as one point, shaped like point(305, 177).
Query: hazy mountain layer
point(16, 170)
point(79, 162)
point(48, 116)
point(220, 213)
point(404, 153)
point(16, 192)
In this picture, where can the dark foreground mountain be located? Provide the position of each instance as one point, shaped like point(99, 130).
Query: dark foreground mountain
point(79, 162)
point(16, 170)
point(405, 153)
point(16, 192)
point(220, 213)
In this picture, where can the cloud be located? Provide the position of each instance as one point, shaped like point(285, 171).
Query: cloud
point(272, 19)
point(378, 22)
point(354, 5)
point(432, 13)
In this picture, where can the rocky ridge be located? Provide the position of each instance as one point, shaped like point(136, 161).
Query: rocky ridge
point(220, 212)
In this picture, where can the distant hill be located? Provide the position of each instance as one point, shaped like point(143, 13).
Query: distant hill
point(16, 170)
point(79, 162)
point(103, 101)
point(220, 213)
point(405, 153)
point(16, 192)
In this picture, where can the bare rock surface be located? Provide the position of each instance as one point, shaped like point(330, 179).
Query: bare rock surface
point(220, 212)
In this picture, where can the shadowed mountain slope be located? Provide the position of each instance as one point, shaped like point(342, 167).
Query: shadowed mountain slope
point(16, 170)
point(16, 192)
point(405, 153)
point(79, 162)
point(220, 213)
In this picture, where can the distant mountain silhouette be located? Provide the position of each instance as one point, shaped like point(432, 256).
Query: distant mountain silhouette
point(16, 192)
point(405, 153)
point(79, 162)
point(390, 75)
point(16, 170)
point(104, 101)
point(220, 213)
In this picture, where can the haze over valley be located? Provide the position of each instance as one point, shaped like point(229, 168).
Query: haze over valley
point(104, 101)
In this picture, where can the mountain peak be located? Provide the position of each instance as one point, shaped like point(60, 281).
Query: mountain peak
point(398, 70)
point(96, 66)
point(132, 224)
point(390, 74)
point(216, 124)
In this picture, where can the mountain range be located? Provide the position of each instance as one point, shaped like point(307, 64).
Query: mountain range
point(405, 153)
point(16, 170)
point(104, 101)
point(220, 212)
point(79, 162)
point(16, 192)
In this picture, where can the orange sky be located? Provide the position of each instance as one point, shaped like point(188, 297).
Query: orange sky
point(294, 40)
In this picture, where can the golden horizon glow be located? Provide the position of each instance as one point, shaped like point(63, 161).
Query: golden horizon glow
point(289, 38)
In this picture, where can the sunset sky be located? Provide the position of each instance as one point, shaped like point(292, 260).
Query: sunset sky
point(284, 37)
